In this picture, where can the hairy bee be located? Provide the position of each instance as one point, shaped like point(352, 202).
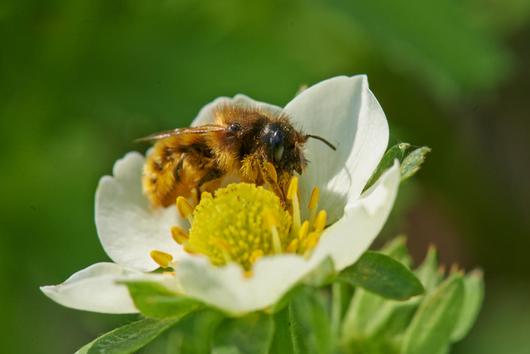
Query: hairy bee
point(254, 145)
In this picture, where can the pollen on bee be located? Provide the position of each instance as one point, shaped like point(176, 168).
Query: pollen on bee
point(270, 170)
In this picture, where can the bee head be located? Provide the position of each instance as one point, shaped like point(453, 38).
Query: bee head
point(282, 146)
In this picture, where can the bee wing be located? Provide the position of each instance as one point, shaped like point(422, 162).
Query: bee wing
point(203, 129)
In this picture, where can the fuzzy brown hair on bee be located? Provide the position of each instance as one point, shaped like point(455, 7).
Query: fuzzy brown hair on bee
point(257, 146)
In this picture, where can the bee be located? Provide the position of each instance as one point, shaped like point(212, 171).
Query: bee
point(246, 142)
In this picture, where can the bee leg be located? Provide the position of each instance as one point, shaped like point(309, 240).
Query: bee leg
point(209, 182)
point(250, 170)
point(270, 176)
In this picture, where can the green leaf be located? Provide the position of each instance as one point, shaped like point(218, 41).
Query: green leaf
point(192, 335)
point(435, 320)
point(474, 294)
point(251, 334)
point(155, 300)
point(128, 338)
point(412, 163)
point(309, 323)
point(395, 152)
point(382, 275)
point(369, 314)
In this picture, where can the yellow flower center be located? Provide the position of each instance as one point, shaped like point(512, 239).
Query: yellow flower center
point(237, 225)
point(243, 222)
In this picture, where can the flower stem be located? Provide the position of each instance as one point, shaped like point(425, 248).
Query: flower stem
point(336, 309)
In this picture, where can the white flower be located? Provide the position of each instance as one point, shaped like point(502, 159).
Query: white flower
point(341, 109)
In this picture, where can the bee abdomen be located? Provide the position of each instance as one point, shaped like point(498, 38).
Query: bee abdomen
point(162, 175)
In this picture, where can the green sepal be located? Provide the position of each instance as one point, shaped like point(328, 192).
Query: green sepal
point(413, 161)
point(429, 272)
point(382, 275)
point(433, 324)
point(398, 152)
point(250, 334)
point(128, 338)
point(156, 301)
point(473, 297)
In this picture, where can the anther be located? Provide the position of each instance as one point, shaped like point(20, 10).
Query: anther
point(304, 229)
point(179, 235)
point(313, 204)
point(320, 221)
point(185, 209)
point(310, 243)
point(292, 195)
point(293, 188)
point(315, 196)
point(293, 246)
point(163, 259)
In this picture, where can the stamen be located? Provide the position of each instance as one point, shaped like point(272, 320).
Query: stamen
point(191, 249)
point(303, 230)
point(293, 188)
point(313, 204)
point(310, 243)
point(163, 259)
point(185, 209)
point(293, 246)
point(271, 222)
point(292, 195)
point(320, 221)
point(179, 235)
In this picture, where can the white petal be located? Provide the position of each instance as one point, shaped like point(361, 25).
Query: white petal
point(344, 111)
point(363, 219)
point(206, 115)
point(228, 289)
point(128, 227)
point(94, 289)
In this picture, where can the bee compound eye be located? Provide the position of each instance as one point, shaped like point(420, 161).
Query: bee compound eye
point(278, 152)
point(234, 127)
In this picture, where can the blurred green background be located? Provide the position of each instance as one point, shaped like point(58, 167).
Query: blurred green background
point(81, 79)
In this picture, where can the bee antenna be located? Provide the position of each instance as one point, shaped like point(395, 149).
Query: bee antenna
point(331, 146)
